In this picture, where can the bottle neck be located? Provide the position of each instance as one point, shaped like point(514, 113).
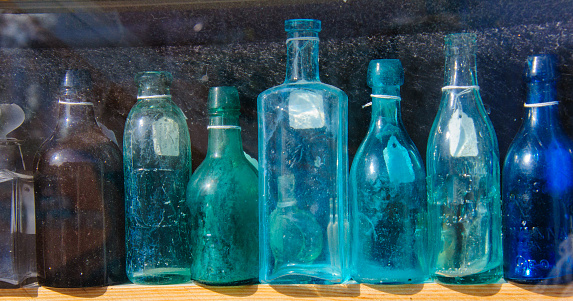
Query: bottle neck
point(385, 106)
point(302, 58)
point(224, 135)
point(75, 112)
point(541, 105)
point(460, 70)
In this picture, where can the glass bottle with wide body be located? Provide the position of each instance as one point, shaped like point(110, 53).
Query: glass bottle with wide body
point(303, 158)
point(78, 183)
point(538, 193)
point(157, 167)
point(463, 177)
point(222, 197)
point(388, 197)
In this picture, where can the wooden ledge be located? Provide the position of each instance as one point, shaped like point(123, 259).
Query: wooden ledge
point(426, 291)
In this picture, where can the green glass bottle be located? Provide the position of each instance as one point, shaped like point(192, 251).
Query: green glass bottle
point(222, 196)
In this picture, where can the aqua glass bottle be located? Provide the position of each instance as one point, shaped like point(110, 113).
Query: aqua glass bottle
point(387, 191)
point(537, 187)
point(303, 166)
point(462, 162)
point(222, 197)
point(78, 185)
point(157, 167)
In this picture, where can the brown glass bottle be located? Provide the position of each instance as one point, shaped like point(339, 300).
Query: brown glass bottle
point(79, 197)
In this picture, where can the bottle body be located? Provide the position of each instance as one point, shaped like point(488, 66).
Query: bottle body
point(303, 133)
point(17, 218)
point(463, 180)
point(79, 205)
point(387, 188)
point(157, 167)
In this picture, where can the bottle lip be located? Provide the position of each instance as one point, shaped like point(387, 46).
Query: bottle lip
point(385, 72)
point(302, 25)
point(460, 43)
point(541, 68)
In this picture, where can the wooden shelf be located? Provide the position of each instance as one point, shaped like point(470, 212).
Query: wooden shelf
point(426, 291)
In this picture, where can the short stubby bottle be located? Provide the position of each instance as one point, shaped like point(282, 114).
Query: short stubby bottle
point(462, 161)
point(537, 186)
point(157, 167)
point(222, 197)
point(17, 217)
point(78, 183)
point(303, 169)
point(387, 191)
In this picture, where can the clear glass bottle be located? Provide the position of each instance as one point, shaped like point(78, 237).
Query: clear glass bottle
point(17, 219)
point(78, 184)
point(462, 162)
point(538, 187)
point(387, 190)
point(303, 157)
point(222, 197)
point(157, 167)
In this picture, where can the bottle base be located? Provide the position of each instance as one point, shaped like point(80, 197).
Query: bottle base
point(304, 274)
point(541, 281)
point(486, 277)
point(162, 276)
point(374, 274)
point(230, 283)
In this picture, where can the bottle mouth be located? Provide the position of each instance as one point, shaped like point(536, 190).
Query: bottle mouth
point(303, 25)
point(460, 43)
point(541, 68)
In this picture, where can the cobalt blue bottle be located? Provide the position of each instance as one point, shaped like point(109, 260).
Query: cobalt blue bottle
point(387, 190)
point(303, 167)
point(537, 187)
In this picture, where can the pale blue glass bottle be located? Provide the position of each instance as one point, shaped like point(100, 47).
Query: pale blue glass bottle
point(462, 161)
point(387, 190)
point(303, 166)
point(157, 167)
point(538, 187)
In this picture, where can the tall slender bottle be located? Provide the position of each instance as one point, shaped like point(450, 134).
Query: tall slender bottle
point(538, 187)
point(157, 166)
point(303, 165)
point(78, 184)
point(222, 196)
point(463, 176)
point(388, 190)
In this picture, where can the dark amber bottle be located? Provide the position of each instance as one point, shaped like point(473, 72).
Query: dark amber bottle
point(78, 183)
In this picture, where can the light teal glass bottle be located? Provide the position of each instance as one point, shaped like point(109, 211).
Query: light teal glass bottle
point(388, 191)
point(222, 197)
point(303, 167)
point(157, 167)
point(462, 161)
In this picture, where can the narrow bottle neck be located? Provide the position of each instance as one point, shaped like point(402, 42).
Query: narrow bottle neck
point(385, 106)
point(302, 58)
point(541, 105)
point(75, 113)
point(460, 70)
point(224, 136)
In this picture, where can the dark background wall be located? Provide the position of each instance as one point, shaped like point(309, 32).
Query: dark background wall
point(242, 44)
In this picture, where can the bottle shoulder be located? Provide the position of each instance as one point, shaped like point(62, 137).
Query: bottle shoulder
point(217, 174)
point(150, 110)
point(310, 87)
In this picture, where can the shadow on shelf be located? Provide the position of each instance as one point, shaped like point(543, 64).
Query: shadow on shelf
point(233, 291)
point(315, 291)
point(409, 289)
point(13, 292)
point(482, 290)
point(86, 292)
point(556, 290)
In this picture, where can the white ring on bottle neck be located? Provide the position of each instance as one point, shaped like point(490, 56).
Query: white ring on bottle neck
point(541, 104)
point(398, 98)
point(303, 39)
point(86, 103)
point(224, 127)
point(459, 87)
point(153, 96)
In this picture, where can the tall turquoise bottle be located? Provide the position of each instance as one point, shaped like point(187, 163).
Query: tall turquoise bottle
point(388, 191)
point(157, 167)
point(538, 186)
point(462, 162)
point(303, 166)
point(222, 196)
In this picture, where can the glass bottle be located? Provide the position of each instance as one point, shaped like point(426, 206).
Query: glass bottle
point(222, 197)
point(388, 190)
point(78, 183)
point(538, 187)
point(303, 157)
point(157, 167)
point(17, 222)
point(463, 176)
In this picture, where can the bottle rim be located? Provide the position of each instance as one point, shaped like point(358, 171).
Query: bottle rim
point(302, 25)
